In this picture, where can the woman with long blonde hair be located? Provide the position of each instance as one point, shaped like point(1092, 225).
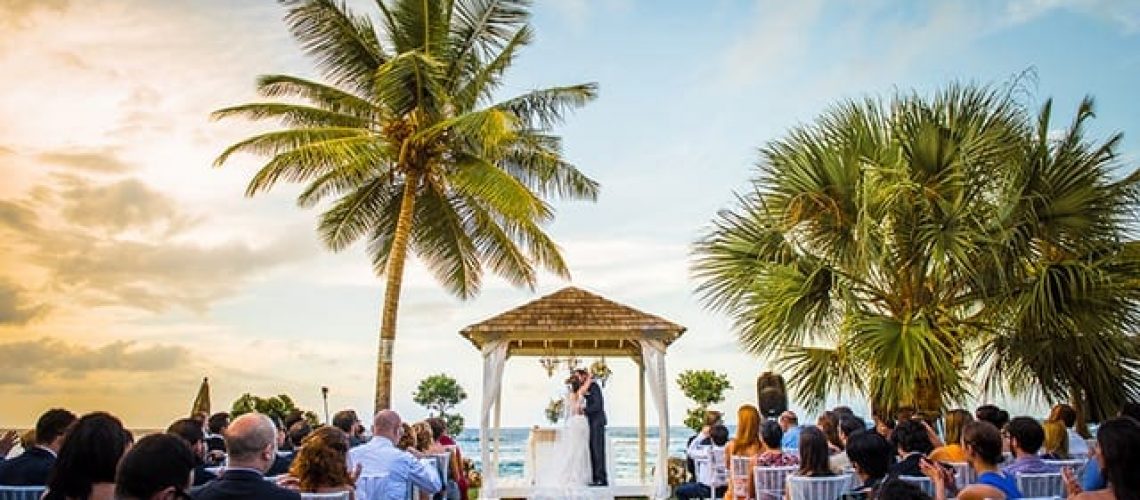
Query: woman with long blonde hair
point(747, 443)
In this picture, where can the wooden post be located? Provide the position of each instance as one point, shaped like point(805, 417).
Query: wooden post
point(641, 423)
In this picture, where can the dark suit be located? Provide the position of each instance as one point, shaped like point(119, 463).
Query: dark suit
point(281, 464)
point(596, 416)
point(238, 484)
point(31, 468)
point(908, 466)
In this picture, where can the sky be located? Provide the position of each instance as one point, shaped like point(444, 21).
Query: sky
point(130, 267)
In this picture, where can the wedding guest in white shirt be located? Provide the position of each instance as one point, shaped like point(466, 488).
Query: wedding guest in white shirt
point(394, 468)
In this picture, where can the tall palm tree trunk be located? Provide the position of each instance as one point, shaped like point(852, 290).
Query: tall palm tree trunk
point(395, 275)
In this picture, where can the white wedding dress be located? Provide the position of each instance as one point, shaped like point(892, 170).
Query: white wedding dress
point(567, 473)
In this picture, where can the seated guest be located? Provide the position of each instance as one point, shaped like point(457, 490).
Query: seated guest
point(1068, 416)
point(912, 441)
point(1025, 437)
point(884, 426)
point(319, 466)
point(158, 467)
point(349, 423)
point(251, 442)
point(189, 430)
point(284, 455)
point(992, 414)
point(215, 426)
point(88, 457)
point(423, 437)
point(399, 469)
point(746, 444)
point(298, 432)
point(952, 451)
point(813, 453)
point(33, 466)
point(790, 424)
point(773, 456)
point(1056, 446)
point(897, 489)
point(717, 437)
point(1118, 444)
point(848, 425)
point(828, 422)
point(983, 443)
point(456, 486)
point(408, 440)
point(871, 456)
point(1093, 479)
point(712, 418)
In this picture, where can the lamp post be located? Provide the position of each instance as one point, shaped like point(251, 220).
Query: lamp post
point(325, 396)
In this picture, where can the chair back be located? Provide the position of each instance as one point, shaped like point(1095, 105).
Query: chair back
point(372, 487)
point(1076, 464)
point(715, 462)
point(338, 495)
point(770, 481)
point(964, 475)
point(1048, 484)
point(814, 488)
point(21, 492)
point(739, 476)
point(922, 482)
point(443, 470)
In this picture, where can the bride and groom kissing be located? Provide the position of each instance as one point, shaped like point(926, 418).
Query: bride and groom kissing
point(582, 441)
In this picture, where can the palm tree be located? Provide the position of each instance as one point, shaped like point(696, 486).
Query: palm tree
point(406, 140)
point(899, 248)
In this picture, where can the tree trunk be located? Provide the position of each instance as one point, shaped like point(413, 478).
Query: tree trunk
point(395, 280)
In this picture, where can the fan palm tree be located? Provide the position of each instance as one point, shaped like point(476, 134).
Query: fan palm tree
point(406, 143)
point(900, 248)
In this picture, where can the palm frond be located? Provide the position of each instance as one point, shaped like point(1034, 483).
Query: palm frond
point(343, 44)
point(545, 108)
point(292, 115)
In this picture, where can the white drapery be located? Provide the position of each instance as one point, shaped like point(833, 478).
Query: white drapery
point(494, 358)
point(653, 362)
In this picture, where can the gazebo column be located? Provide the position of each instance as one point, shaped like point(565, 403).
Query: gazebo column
point(641, 434)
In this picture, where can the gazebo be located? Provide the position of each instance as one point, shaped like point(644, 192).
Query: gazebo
point(574, 322)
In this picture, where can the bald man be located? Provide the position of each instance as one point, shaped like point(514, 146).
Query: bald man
point(386, 470)
point(251, 442)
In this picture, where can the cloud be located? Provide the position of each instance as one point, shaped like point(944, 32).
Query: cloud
point(120, 205)
point(1126, 15)
point(28, 362)
point(99, 161)
point(14, 306)
point(15, 13)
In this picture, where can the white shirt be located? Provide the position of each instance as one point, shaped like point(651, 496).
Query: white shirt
point(393, 468)
point(1077, 444)
point(701, 454)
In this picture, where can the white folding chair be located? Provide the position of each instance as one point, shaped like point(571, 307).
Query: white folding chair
point(964, 475)
point(372, 487)
point(770, 481)
point(719, 471)
point(21, 492)
point(339, 495)
point(1048, 484)
point(815, 488)
point(922, 482)
point(738, 475)
point(1076, 464)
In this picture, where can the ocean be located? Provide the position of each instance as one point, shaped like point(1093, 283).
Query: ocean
point(512, 454)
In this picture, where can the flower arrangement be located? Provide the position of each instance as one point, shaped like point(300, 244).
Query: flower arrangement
point(554, 410)
point(601, 371)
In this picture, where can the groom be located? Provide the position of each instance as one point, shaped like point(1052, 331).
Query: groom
point(596, 416)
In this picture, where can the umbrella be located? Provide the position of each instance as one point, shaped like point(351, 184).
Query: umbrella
point(202, 400)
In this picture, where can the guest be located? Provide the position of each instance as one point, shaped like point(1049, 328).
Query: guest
point(34, 465)
point(1093, 479)
point(158, 467)
point(983, 443)
point(7, 442)
point(399, 468)
point(1068, 416)
point(884, 426)
point(251, 441)
point(1056, 445)
point(773, 456)
point(952, 451)
point(897, 489)
point(746, 444)
point(913, 444)
point(848, 425)
point(320, 463)
point(828, 422)
point(717, 437)
point(349, 423)
point(283, 457)
point(992, 414)
point(790, 424)
point(712, 418)
point(1118, 441)
point(297, 433)
point(191, 432)
point(423, 437)
point(408, 440)
point(843, 411)
point(85, 468)
point(813, 453)
point(1025, 437)
point(871, 456)
point(215, 427)
point(456, 486)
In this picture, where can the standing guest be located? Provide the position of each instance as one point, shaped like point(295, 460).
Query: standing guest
point(349, 423)
point(158, 467)
point(1025, 436)
point(34, 465)
point(1056, 445)
point(443, 443)
point(983, 444)
point(871, 455)
point(251, 441)
point(828, 422)
point(746, 444)
point(380, 456)
point(773, 455)
point(848, 425)
point(912, 441)
point(790, 424)
point(85, 468)
point(215, 427)
point(320, 465)
point(1118, 442)
point(952, 451)
point(717, 437)
point(191, 432)
point(813, 453)
point(1067, 415)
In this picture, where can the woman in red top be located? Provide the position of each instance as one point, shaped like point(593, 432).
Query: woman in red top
point(438, 431)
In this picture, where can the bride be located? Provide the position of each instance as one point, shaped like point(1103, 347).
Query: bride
point(570, 464)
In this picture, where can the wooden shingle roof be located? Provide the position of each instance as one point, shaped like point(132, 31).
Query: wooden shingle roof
point(573, 321)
